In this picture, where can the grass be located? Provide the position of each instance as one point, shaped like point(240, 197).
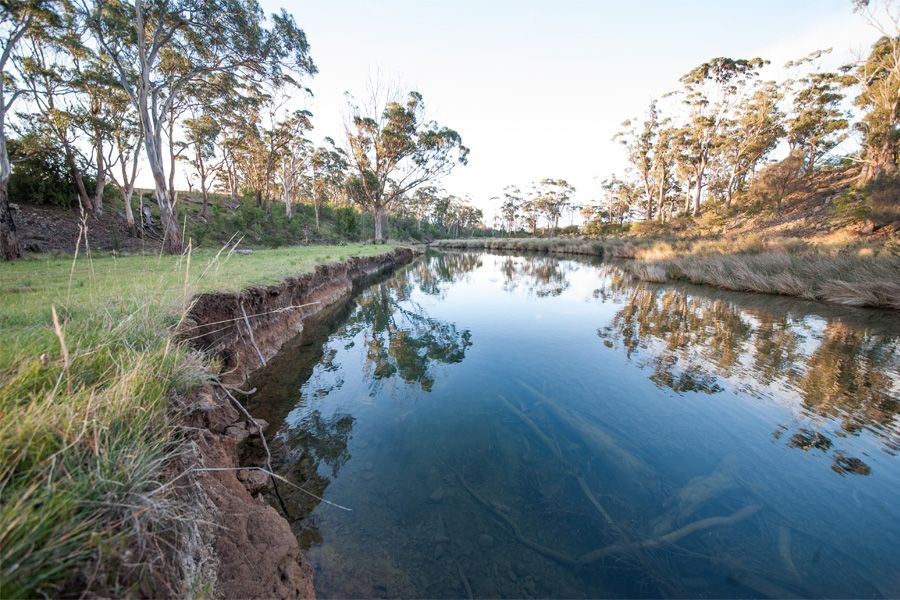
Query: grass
point(837, 270)
point(852, 280)
point(86, 429)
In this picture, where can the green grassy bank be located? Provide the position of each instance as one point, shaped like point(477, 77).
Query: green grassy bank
point(87, 370)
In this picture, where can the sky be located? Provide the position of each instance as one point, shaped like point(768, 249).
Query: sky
point(538, 89)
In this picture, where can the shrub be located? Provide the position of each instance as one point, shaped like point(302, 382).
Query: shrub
point(347, 221)
point(778, 180)
point(39, 172)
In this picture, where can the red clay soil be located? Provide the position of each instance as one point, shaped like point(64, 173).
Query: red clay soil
point(256, 552)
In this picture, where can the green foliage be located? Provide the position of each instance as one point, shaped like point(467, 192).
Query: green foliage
point(875, 201)
point(851, 206)
point(346, 221)
point(597, 228)
point(39, 174)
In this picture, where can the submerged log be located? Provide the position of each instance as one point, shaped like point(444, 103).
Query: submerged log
point(551, 444)
point(593, 437)
point(784, 551)
point(514, 528)
point(671, 537)
point(696, 493)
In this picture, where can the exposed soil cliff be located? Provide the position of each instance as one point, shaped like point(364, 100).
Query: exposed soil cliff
point(237, 543)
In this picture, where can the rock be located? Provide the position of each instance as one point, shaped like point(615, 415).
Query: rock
point(437, 495)
point(485, 540)
point(253, 479)
point(238, 432)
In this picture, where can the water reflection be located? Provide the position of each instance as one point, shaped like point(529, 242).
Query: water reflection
point(844, 373)
point(400, 338)
point(541, 276)
point(692, 452)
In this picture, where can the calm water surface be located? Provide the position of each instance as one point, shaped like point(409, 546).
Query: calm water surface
point(543, 427)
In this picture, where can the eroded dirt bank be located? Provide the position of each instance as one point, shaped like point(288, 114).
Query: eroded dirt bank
point(238, 544)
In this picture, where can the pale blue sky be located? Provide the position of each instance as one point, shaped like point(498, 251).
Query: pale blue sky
point(537, 89)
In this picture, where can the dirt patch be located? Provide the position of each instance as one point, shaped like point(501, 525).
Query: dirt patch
point(52, 229)
point(255, 553)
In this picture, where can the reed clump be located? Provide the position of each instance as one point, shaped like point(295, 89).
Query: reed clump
point(848, 272)
point(851, 280)
point(88, 436)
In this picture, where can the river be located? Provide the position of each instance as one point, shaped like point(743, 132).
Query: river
point(531, 426)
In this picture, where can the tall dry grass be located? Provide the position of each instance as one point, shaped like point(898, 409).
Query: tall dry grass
point(851, 280)
point(841, 271)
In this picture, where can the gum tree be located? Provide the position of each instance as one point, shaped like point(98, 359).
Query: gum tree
point(18, 18)
point(394, 150)
point(710, 91)
point(206, 38)
point(878, 77)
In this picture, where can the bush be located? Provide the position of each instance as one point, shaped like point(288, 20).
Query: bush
point(648, 228)
point(347, 221)
point(778, 180)
point(39, 172)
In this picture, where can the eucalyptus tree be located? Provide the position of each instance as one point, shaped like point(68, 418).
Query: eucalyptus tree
point(247, 148)
point(818, 123)
point(639, 140)
point(509, 208)
point(294, 162)
point(126, 140)
point(18, 18)
point(553, 196)
point(878, 78)
point(619, 196)
point(237, 114)
point(749, 135)
point(664, 159)
point(284, 129)
point(710, 91)
point(206, 37)
point(50, 69)
point(530, 213)
point(202, 131)
point(393, 150)
point(329, 165)
point(422, 202)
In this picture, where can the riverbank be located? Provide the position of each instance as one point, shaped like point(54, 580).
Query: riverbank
point(107, 417)
point(848, 272)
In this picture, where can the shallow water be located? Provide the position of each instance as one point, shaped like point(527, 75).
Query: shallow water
point(543, 427)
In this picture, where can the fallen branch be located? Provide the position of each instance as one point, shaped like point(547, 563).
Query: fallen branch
point(671, 537)
point(540, 549)
point(554, 448)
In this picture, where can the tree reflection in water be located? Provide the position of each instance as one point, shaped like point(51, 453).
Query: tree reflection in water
point(541, 276)
point(844, 375)
point(401, 340)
